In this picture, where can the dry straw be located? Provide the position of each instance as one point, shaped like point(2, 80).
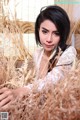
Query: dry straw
point(11, 76)
point(54, 102)
point(75, 31)
point(14, 64)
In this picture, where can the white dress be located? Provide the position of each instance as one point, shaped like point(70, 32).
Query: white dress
point(57, 73)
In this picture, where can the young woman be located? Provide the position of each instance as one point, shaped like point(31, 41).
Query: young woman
point(52, 29)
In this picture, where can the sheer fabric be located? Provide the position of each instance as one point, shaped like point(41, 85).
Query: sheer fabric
point(57, 73)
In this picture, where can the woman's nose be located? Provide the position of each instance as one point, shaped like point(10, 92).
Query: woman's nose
point(49, 38)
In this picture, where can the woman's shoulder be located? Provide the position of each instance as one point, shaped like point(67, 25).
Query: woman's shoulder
point(68, 55)
point(70, 49)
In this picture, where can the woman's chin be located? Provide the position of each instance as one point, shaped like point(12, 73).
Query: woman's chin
point(49, 49)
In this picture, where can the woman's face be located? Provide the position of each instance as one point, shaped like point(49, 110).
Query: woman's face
point(49, 35)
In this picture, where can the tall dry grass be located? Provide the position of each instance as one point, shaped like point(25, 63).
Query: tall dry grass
point(59, 101)
point(15, 70)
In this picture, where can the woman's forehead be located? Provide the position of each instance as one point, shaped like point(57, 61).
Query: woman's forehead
point(47, 24)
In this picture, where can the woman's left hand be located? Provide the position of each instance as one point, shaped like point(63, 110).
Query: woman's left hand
point(6, 96)
point(9, 95)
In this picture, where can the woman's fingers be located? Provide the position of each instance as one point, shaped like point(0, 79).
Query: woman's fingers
point(5, 106)
point(6, 101)
point(6, 96)
point(2, 90)
point(5, 93)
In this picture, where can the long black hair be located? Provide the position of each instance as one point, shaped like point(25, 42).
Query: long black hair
point(59, 17)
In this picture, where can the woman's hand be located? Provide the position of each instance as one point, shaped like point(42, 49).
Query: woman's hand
point(6, 96)
point(9, 95)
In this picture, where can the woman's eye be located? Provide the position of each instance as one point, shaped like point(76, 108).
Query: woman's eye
point(57, 33)
point(44, 31)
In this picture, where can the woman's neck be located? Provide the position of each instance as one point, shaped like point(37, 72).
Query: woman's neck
point(47, 54)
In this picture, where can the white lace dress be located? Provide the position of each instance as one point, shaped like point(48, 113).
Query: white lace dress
point(65, 61)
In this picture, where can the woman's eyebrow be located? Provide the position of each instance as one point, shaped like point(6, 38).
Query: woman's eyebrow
point(45, 29)
point(55, 31)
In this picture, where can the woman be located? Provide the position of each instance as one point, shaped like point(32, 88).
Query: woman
point(52, 29)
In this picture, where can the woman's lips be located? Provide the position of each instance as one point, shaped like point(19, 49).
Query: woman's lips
point(49, 46)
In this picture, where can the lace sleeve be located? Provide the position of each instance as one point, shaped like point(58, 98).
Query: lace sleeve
point(68, 56)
